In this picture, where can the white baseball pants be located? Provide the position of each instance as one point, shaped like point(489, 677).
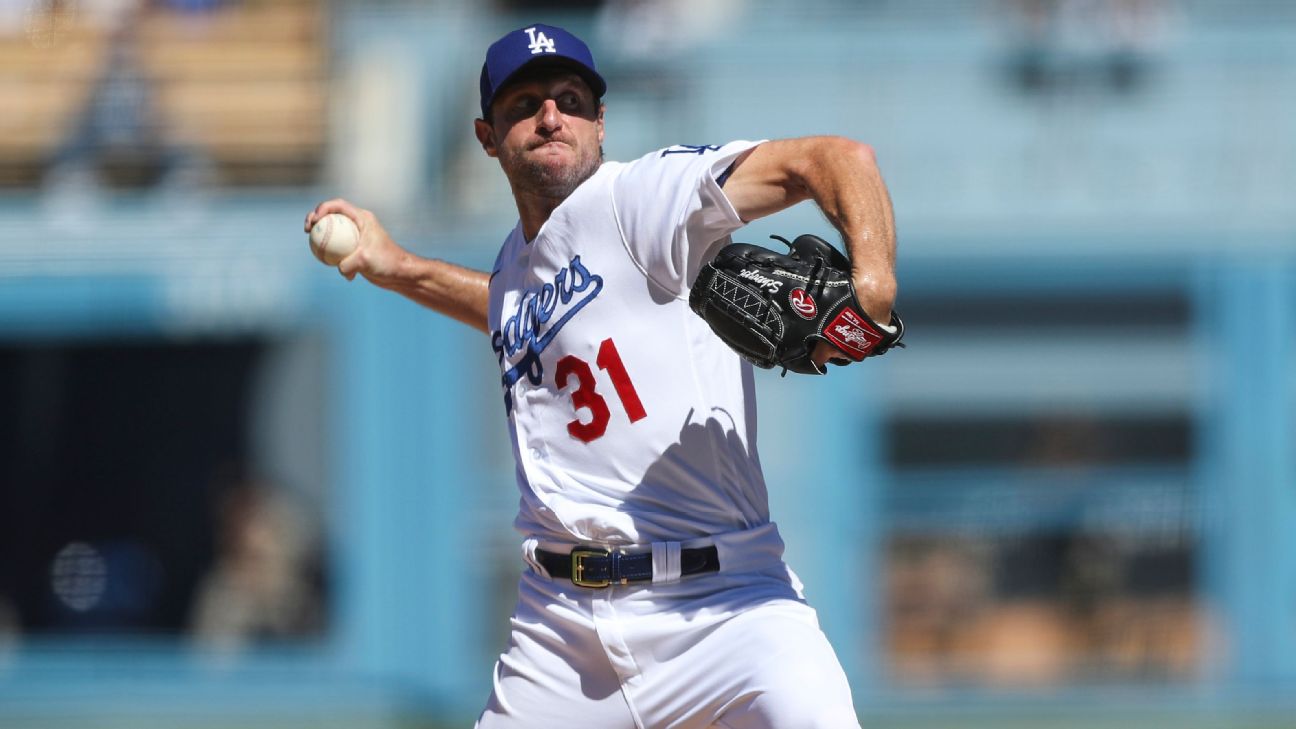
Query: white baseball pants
point(733, 650)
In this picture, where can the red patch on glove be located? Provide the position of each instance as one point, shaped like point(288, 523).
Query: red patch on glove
point(852, 334)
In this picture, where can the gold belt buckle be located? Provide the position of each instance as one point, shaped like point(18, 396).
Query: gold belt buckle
point(578, 567)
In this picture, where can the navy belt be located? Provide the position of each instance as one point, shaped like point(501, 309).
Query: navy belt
point(598, 567)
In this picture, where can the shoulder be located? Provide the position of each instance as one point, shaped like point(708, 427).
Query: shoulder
point(685, 163)
point(679, 155)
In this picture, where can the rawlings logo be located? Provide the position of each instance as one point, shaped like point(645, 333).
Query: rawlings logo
point(766, 282)
point(852, 334)
point(540, 313)
point(803, 304)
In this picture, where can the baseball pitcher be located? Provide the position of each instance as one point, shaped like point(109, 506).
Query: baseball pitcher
point(625, 325)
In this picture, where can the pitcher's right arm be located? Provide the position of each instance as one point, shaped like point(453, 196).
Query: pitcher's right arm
point(457, 292)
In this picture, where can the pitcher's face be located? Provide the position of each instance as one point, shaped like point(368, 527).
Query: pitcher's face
point(547, 132)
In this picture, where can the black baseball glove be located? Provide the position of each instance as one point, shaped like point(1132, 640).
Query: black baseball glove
point(771, 308)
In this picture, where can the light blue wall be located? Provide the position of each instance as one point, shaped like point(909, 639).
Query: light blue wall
point(1175, 191)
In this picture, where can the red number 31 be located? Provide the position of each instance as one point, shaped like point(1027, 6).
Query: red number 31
point(584, 396)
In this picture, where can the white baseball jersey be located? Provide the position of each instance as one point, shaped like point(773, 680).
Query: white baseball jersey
point(631, 422)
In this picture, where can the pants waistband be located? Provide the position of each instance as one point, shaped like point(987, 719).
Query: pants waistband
point(598, 567)
point(746, 550)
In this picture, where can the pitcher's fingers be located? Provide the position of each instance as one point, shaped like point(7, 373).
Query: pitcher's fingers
point(336, 205)
point(350, 265)
point(824, 352)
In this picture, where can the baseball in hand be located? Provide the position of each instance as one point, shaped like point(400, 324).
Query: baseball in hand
point(334, 237)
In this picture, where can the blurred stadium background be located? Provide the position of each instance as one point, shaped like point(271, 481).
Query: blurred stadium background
point(236, 491)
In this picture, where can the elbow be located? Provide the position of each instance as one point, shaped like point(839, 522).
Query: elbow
point(810, 159)
point(856, 152)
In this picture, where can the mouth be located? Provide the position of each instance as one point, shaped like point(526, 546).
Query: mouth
point(552, 143)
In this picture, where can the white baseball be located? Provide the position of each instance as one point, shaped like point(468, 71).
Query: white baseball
point(334, 237)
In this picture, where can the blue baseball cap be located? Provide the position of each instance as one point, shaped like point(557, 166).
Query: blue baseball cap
point(536, 43)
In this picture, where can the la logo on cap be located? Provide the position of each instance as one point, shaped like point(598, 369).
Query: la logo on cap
point(539, 42)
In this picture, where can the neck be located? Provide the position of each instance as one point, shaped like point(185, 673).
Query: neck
point(534, 210)
point(538, 193)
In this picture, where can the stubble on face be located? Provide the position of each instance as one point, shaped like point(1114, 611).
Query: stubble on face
point(549, 177)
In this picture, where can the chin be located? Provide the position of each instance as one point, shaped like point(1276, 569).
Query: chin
point(554, 173)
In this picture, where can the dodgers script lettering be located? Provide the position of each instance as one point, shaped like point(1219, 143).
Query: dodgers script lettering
point(539, 315)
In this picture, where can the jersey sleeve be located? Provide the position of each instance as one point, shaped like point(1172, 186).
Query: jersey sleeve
point(672, 211)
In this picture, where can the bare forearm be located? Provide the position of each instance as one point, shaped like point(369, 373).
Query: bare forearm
point(457, 292)
point(843, 179)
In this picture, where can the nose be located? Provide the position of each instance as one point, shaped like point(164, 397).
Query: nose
point(549, 116)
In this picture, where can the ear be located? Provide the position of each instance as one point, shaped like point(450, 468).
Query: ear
point(599, 121)
point(486, 137)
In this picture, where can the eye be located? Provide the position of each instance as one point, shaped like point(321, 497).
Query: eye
point(569, 101)
point(518, 108)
